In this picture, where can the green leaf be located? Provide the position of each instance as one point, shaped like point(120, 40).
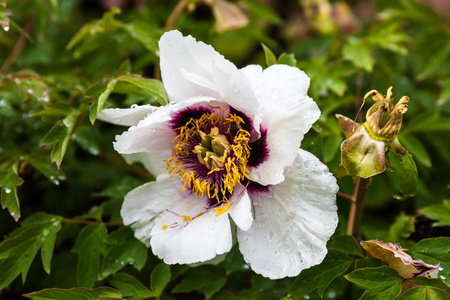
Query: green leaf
point(198, 278)
point(358, 52)
point(382, 282)
point(320, 276)
point(408, 178)
point(145, 34)
point(126, 249)
point(435, 285)
point(438, 212)
point(88, 246)
point(99, 102)
point(417, 149)
point(347, 244)
point(43, 164)
point(57, 133)
point(18, 250)
point(287, 59)
point(214, 287)
point(160, 278)
point(129, 286)
point(152, 87)
point(75, 294)
point(270, 57)
point(9, 181)
point(433, 251)
point(4, 17)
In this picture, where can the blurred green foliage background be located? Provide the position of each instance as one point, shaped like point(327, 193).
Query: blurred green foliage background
point(57, 58)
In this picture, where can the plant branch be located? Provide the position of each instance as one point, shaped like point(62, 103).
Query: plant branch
point(19, 45)
point(356, 208)
point(176, 14)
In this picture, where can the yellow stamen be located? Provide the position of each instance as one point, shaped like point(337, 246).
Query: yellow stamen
point(164, 227)
point(221, 210)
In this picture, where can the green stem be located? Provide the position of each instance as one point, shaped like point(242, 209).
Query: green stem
point(357, 206)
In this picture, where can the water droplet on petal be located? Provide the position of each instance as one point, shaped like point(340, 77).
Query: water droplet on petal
point(211, 226)
point(134, 105)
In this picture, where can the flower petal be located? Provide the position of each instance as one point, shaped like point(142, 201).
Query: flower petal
point(293, 221)
point(143, 205)
point(126, 116)
point(180, 53)
point(201, 240)
point(287, 114)
point(241, 212)
point(285, 127)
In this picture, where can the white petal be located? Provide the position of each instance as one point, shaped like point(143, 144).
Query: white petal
point(185, 53)
point(286, 126)
point(126, 116)
point(201, 240)
point(145, 203)
point(293, 222)
point(241, 212)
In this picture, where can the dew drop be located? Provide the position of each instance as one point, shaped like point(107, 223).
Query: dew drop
point(7, 190)
point(45, 232)
point(134, 105)
point(441, 268)
point(30, 91)
point(443, 277)
point(211, 226)
point(5, 27)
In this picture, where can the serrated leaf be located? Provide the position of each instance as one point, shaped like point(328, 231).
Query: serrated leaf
point(88, 246)
point(160, 278)
point(9, 181)
point(347, 244)
point(75, 294)
point(18, 250)
point(271, 59)
point(287, 59)
point(383, 282)
point(129, 286)
point(438, 212)
point(320, 276)
point(126, 250)
point(408, 178)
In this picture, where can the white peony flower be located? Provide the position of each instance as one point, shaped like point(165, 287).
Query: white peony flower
point(226, 155)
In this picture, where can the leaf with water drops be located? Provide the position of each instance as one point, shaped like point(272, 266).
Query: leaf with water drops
point(434, 251)
point(43, 164)
point(88, 246)
point(9, 181)
point(126, 249)
point(18, 250)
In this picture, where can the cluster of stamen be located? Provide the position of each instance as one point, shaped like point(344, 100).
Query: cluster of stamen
point(200, 141)
point(384, 120)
